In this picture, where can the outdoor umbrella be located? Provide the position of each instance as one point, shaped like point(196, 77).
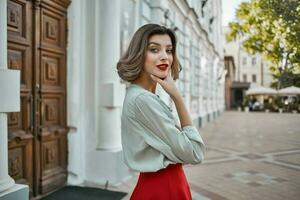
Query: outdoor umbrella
point(289, 91)
point(260, 90)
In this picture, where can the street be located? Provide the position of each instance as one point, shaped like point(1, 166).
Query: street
point(253, 156)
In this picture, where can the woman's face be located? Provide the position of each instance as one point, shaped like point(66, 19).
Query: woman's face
point(159, 56)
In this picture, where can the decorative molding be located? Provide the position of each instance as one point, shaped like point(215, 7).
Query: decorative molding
point(36, 4)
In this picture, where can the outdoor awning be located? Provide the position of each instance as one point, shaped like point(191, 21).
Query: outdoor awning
point(289, 91)
point(240, 85)
point(260, 90)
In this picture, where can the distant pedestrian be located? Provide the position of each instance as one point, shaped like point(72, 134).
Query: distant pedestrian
point(152, 142)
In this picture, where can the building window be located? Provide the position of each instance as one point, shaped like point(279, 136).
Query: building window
point(245, 77)
point(254, 61)
point(183, 59)
point(254, 78)
point(195, 55)
point(203, 3)
point(244, 60)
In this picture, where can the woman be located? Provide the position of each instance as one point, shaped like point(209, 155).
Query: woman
point(152, 142)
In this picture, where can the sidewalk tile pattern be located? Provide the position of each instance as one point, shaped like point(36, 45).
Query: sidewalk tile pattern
point(250, 156)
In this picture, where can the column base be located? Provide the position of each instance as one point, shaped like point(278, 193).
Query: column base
point(74, 179)
point(6, 184)
point(16, 192)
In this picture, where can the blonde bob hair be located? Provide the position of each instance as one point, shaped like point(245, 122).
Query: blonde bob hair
point(131, 63)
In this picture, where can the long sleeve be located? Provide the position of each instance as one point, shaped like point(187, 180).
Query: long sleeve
point(184, 146)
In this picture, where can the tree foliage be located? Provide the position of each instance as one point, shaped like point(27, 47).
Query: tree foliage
point(271, 28)
point(287, 79)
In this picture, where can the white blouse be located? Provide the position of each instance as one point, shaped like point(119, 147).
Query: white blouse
point(150, 139)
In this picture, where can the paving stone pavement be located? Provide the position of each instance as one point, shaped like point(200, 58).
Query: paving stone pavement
point(250, 156)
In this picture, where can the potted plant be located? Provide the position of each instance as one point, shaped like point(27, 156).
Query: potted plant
point(246, 104)
point(239, 108)
point(279, 104)
point(294, 107)
point(267, 106)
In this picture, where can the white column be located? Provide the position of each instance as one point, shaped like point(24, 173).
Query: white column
point(110, 92)
point(5, 180)
point(75, 86)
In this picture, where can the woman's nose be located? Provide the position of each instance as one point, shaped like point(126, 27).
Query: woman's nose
point(164, 55)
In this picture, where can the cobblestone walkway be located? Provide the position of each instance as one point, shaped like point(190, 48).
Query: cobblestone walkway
point(253, 156)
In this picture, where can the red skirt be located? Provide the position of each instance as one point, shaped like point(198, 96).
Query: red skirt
point(166, 184)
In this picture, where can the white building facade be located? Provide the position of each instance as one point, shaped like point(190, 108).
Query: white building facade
point(98, 33)
point(253, 69)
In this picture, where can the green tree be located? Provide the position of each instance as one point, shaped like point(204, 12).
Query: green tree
point(287, 79)
point(271, 28)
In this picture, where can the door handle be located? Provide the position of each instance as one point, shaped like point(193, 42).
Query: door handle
point(37, 87)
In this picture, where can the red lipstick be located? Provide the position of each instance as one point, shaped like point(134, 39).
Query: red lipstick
point(162, 67)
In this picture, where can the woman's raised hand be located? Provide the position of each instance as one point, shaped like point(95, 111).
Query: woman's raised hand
point(168, 84)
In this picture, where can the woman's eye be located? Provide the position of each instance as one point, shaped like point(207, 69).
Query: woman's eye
point(169, 51)
point(154, 50)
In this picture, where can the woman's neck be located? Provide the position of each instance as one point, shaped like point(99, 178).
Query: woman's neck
point(146, 82)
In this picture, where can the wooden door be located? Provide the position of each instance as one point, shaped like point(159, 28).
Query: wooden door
point(38, 133)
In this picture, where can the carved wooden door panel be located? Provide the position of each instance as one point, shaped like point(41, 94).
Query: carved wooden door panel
point(20, 124)
point(38, 133)
point(51, 94)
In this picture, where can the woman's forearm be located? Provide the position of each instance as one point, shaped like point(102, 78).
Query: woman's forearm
point(182, 112)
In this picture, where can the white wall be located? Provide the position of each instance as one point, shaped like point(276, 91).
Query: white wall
point(91, 159)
